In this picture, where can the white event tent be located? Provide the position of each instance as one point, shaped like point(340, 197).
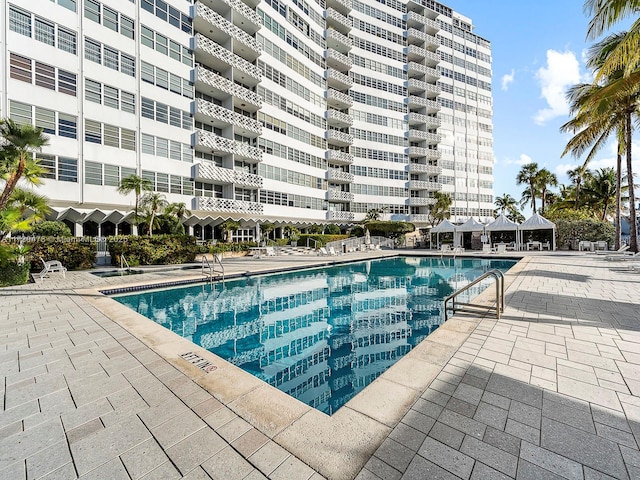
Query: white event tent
point(503, 224)
point(538, 222)
point(470, 226)
point(445, 226)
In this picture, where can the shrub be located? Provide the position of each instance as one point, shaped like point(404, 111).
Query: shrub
point(155, 250)
point(51, 229)
point(75, 254)
point(389, 229)
point(321, 240)
point(332, 229)
point(12, 273)
point(586, 229)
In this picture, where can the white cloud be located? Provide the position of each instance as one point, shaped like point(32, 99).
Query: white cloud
point(522, 160)
point(508, 80)
point(562, 71)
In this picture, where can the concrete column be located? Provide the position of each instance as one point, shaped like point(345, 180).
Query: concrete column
point(79, 229)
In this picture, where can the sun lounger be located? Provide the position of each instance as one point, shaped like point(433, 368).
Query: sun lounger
point(622, 249)
point(332, 251)
point(624, 256)
point(323, 251)
point(50, 266)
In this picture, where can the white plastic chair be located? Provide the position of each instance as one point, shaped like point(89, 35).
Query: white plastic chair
point(50, 266)
point(332, 251)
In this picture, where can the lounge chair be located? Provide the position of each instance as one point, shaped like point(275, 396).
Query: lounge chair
point(500, 248)
point(332, 251)
point(269, 251)
point(624, 256)
point(323, 251)
point(622, 249)
point(50, 266)
point(486, 248)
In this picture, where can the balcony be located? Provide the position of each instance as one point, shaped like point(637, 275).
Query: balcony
point(219, 175)
point(338, 99)
point(421, 201)
point(420, 218)
point(428, 153)
point(335, 175)
point(421, 39)
point(341, 139)
point(342, 6)
point(416, 70)
point(337, 60)
point(417, 21)
point(337, 20)
point(338, 119)
point(422, 185)
point(220, 29)
point(424, 168)
point(414, 53)
point(338, 41)
point(419, 119)
point(219, 58)
point(431, 106)
point(418, 87)
point(218, 116)
point(337, 80)
point(243, 16)
point(341, 216)
point(209, 204)
point(334, 195)
point(214, 144)
point(420, 135)
point(336, 157)
point(219, 87)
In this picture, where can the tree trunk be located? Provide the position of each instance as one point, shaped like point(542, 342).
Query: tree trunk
point(618, 198)
point(533, 199)
point(12, 181)
point(633, 226)
point(577, 194)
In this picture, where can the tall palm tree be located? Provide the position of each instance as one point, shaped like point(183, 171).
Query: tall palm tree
point(527, 175)
point(25, 208)
point(153, 203)
point(441, 209)
point(18, 143)
point(601, 191)
point(544, 180)
point(136, 184)
point(600, 110)
point(577, 176)
point(505, 203)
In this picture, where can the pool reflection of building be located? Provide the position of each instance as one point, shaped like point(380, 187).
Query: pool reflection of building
point(320, 336)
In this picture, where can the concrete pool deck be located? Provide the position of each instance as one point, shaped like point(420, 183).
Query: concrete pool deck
point(552, 390)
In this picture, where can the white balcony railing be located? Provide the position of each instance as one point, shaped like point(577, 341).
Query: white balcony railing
point(227, 86)
point(336, 137)
point(334, 195)
point(344, 6)
point(339, 158)
point(207, 171)
point(423, 168)
point(336, 98)
point(337, 40)
point(339, 119)
point(431, 105)
point(338, 79)
point(219, 22)
point(418, 118)
point(338, 20)
point(251, 15)
point(342, 216)
point(337, 60)
point(219, 52)
point(421, 201)
point(338, 176)
point(225, 115)
point(210, 204)
point(423, 185)
point(227, 145)
point(427, 136)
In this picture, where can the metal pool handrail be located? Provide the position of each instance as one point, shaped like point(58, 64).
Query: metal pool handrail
point(123, 262)
point(471, 307)
point(218, 259)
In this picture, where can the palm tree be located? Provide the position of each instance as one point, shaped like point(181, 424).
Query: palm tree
point(136, 184)
point(601, 191)
point(527, 175)
point(230, 226)
point(602, 109)
point(374, 215)
point(577, 175)
point(505, 203)
point(544, 180)
point(441, 209)
point(154, 203)
point(19, 142)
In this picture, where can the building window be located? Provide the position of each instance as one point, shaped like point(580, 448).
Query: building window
point(70, 4)
point(20, 68)
point(111, 136)
point(67, 126)
point(127, 27)
point(67, 169)
point(92, 131)
point(111, 97)
point(128, 102)
point(45, 76)
point(93, 173)
point(45, 32)
point(92, 10)
point(20, 112)
point(19, 21)
point(93, 51)
point(111, 175)
point(46, 120)
point(66, 40)
point(128, 139)
point(110, 19)
point(111, 58)
point(128, 65)
point(48, 162)
point(67, 82)
point(93, 91)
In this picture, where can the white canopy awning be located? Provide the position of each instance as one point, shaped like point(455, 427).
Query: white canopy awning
point(445, 226)
point(471, 225)
point(537, 222)
point(501, 223)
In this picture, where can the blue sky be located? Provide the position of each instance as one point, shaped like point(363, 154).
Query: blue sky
point(538, 49)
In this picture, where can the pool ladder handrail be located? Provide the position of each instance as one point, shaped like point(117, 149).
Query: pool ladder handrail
point(476, 308)
point(217, 259)
point(123, 262)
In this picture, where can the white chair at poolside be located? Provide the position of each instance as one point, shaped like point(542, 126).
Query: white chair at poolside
point(322, 251)
point(486, 248)
point(50, 266)
point(332, 251)
point(624, 256)
point(501, 248)
point(622, 250)
point(270, 251)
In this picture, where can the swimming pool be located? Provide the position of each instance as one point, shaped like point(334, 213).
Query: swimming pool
point(320, 335)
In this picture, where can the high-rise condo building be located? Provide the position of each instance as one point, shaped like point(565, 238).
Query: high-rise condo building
point(295, 112)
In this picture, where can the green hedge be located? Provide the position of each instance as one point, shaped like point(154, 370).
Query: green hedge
point(75, 254)
point(12, 273)
point(156, 250)
point(321, 240)
point(590, 230)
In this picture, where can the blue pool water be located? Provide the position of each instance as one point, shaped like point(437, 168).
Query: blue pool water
point(320, 335)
